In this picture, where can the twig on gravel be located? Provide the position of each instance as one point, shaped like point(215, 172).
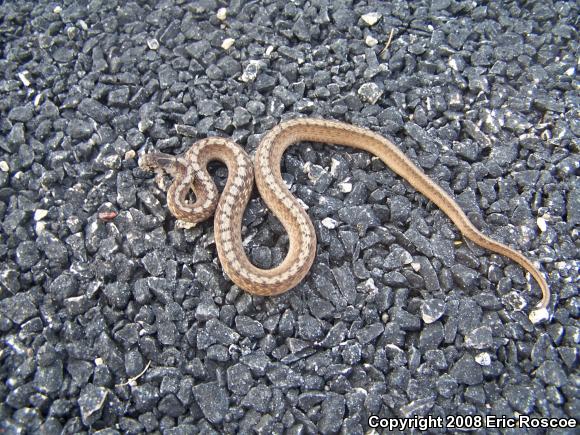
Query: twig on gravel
point(388, 44)
point(133, 380)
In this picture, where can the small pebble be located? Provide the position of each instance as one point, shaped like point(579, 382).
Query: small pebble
point(40, 214)
point(345, 187)
point(483, 359)
point(153, 44)
point(222, 14)
point(329, 223)
point(23, 76)
point(371, 18)
point(228, 43)
point(370, 41)
point(542, 224)
point(370, 92)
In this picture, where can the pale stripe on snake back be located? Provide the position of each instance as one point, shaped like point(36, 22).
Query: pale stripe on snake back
point(190, 172)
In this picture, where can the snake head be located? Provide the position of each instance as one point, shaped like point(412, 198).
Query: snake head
point(161, 163)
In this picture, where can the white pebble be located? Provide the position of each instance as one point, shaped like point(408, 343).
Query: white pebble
point(542, 224)
point(345, 187)
point(23, 78)
point(39, 228)
point(455, 99)
point(228, 42)
point(40, 214)
point(144, 125)
point(329, 223)
point(427, 318)
point(453, 64)
point(538, 316)
point(561, 265)
point(72, 32)
point(370, 92)
point(4, 166)
point(369, 286)
point(334, 165)
point(483, 359)
point(153, 44)
point(517, 302)
point(112, 162)
point(370, 41)
point(251, 71)
point(371, 18)
point(222, 14)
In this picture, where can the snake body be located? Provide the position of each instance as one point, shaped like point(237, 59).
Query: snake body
point(190, 172)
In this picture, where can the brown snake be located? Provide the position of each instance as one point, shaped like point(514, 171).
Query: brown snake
point(190, 172)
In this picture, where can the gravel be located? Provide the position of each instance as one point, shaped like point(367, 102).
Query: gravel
point(115, 319)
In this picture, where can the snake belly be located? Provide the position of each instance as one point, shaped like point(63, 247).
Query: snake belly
point(190, 172)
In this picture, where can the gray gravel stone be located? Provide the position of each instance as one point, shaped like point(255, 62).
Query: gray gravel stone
point(21, 113)
point(239, 379)
point(91, 403)
point(206, 309)
point(284, 377)
point(118, 294)
point(48, 379)
point(464, 276)
point(258, 398)
point(432, 310)
point(333, 410)
point(80, 129)
point(309, 327)
point(467, 371)
point(95, 110)
point(19, 307)
point(431, 336)
point(520, 397)
point(249, 327)
point(212, 400)
point(171, 406)
point(52, 247)
point(406, 320)
point(27, 255)
point(335, 335)
point(479, 338)
point(221, 333)
point(369, 333)
point(145, 397)
point(552, 373)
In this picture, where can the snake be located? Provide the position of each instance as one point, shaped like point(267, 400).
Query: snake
point(190, 173)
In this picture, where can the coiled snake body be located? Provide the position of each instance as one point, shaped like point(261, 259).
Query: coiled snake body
point(190, 172)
